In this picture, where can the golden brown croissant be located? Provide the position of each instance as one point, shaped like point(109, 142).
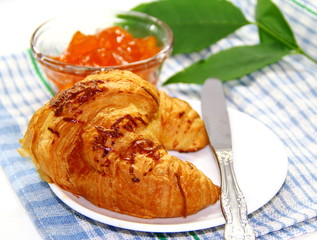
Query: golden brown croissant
point(106, 139)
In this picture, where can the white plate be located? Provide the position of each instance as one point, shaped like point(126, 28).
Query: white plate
point(260, 164)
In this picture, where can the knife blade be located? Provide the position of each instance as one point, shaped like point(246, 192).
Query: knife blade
point(217, 122)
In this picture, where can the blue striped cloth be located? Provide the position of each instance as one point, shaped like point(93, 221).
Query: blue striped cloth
point(283, 96)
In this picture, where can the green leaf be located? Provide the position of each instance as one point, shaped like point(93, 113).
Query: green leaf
point(230, 64)
point(196, 24)
point(273, 27)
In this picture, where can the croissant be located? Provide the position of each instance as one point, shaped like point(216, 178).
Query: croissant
point(106, 139)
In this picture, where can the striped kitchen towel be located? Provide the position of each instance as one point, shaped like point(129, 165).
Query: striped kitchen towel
point(283, 96)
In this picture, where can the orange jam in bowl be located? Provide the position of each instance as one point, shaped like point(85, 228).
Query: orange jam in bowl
point(70, 47)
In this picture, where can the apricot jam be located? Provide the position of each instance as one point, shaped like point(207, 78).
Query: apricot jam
point(113, 47)
point(110, 47)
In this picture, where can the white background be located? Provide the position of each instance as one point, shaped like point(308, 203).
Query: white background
point(18, 19)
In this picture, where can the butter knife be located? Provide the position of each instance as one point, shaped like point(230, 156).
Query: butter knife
point(233, 204)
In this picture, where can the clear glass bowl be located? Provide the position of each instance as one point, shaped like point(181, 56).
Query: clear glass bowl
point(52, 37)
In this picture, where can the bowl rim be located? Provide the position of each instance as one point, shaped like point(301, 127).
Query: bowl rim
point(161, 55)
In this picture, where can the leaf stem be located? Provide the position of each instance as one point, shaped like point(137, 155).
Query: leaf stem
point(300, 51)
point(297, 49)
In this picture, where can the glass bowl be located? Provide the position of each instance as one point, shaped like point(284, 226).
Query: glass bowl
point(52, 38)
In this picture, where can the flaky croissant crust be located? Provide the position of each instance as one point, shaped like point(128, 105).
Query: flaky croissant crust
point(106, 139)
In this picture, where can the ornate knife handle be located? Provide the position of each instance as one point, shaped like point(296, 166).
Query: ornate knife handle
point(233, 203)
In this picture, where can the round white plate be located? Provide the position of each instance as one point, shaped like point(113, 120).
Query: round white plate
point(260, 164)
